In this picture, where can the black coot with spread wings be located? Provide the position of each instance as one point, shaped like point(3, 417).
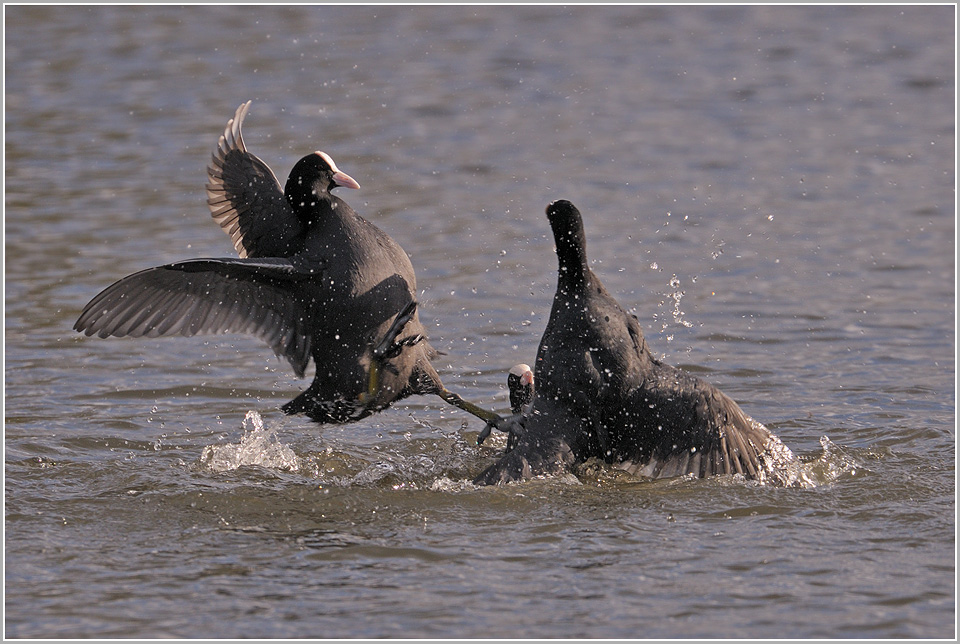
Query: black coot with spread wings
point(600, 393)
point(314, 280)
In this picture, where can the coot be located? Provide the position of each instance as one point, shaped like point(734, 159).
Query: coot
point(600, 393)
point(314, 280)
point(520, 388)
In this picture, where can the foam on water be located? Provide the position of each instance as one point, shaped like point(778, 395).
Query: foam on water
point(260, 446)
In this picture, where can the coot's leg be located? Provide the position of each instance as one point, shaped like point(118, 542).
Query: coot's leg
point(390, 347)
point(511, 425)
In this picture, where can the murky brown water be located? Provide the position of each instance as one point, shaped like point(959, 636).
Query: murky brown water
point(791, 167)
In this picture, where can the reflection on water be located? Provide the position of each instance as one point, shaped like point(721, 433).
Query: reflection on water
point(769, 189)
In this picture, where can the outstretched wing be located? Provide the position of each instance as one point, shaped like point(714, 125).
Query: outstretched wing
point(704, 433)
point(257, 297)
point(246, 199)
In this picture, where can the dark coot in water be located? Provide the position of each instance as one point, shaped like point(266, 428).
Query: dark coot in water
point(600, 393)
point(314, 279)
point(520, 387)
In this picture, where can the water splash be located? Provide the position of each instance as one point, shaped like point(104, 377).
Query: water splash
point(832, 463)
point(676, 313)
point(719, 249)
point(258, 446)
point(677, 295)
point(448, 485)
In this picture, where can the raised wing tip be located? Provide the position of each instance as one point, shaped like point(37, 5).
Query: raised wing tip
point(232, 138)
point(242, 111)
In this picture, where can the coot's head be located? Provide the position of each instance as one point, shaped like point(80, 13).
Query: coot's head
point(313, 177)
point(520, 386)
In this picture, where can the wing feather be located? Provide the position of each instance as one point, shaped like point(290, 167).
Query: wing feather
point(208, 296)
point(716, 438)
point(246, 199)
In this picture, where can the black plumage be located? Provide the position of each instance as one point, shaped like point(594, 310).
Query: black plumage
point(600, 393)
point(520, 387)
point(314, 280)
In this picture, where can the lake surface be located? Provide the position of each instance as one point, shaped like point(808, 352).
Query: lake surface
point(769, 189)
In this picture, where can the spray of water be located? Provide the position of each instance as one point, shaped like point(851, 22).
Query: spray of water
point(258, 446)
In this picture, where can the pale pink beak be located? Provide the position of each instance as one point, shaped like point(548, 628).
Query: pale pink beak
point(342, 179)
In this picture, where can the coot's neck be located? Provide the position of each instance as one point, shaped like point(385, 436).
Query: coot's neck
point(309, 198)
point(573, 273)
